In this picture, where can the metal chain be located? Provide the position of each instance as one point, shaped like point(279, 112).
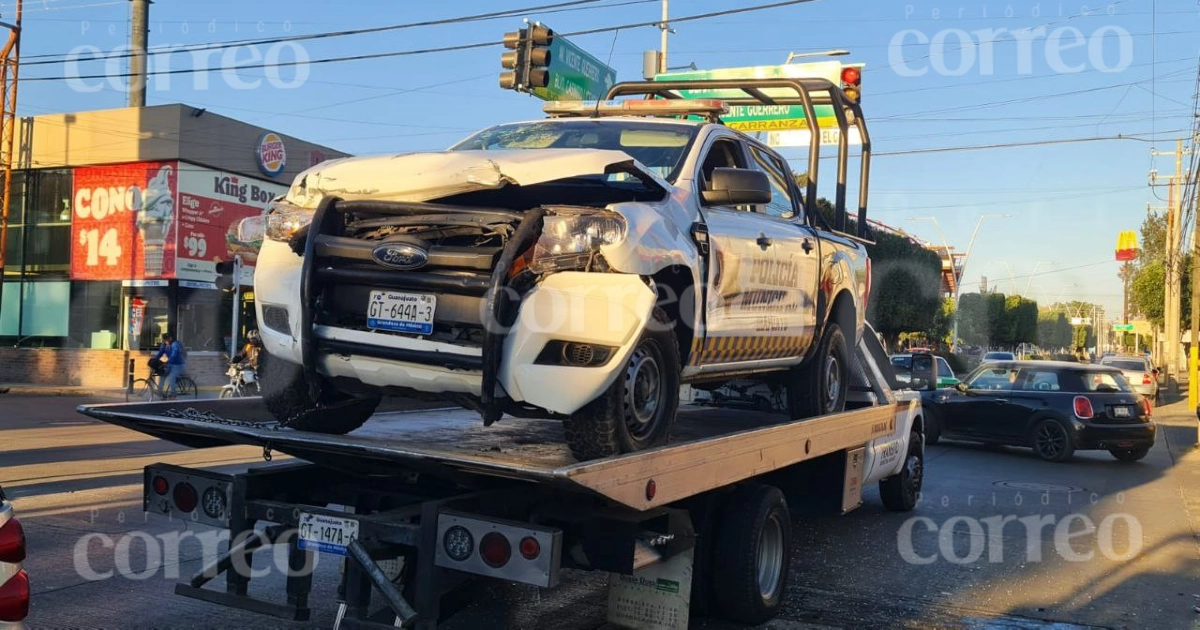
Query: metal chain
point(191, 413)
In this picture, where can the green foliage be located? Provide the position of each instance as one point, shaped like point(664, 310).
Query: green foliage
point(1149, 290)
point(1054, 330)
point(973, 319)
point(993, 319)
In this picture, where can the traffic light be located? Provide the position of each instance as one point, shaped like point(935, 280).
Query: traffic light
point(852, 81)
point(527, 61)
point(537, 58)
point(226, 271)
point(512, 60)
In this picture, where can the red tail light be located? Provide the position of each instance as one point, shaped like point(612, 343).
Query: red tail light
point(12, 542)
point(1147, 379)
point(1149, 411)
point(495, 550)
point(1083, 408)
point(14, 597)
point(185, 497)
point(530, 547)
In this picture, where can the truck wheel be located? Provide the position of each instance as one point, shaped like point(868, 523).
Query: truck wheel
point(286, 394)
point(900, 491)
point(635, 413)
point(753, 551)
point(819, 388)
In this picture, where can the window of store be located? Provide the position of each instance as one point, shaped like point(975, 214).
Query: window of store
point(36, 306)
point(148, 315)
point(203, 319)
point(95, 315)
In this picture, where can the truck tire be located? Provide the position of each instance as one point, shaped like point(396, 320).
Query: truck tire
point(287, 396)
point(636, 412)
point(752, 554)
point(901, 491)
point(819, 388)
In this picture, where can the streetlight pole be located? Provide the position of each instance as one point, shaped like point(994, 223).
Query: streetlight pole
point(826, 53)
point(959, 275)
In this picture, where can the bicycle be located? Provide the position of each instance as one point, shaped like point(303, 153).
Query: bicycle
point(243, 381)
point(147, 388)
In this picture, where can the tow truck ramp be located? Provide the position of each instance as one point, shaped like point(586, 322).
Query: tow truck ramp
point(419, 503)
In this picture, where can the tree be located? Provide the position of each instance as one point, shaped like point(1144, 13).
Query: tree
point(1054, 330)
point(973, 319)
point(1149, 290)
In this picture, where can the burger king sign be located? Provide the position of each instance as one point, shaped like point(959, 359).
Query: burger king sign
point(272, 157)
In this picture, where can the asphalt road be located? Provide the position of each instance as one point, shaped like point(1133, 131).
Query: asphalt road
point(1000, 540)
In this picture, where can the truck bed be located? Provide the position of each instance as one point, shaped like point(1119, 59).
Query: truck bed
point(710, 447)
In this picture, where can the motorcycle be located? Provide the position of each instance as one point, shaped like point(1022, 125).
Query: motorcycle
point(243, 381)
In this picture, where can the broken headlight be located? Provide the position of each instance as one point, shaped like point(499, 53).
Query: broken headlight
point(286, 219)
point(570, 241)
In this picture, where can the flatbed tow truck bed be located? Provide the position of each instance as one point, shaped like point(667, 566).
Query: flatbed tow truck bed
point(421, 503)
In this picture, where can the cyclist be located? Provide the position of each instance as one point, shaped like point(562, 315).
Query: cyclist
point(176, 360)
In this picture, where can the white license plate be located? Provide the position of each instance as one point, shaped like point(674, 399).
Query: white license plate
point(327, 534)
point(1122, 412)
point(401, 312)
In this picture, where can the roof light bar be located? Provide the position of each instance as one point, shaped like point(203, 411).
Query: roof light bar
point(711, 108)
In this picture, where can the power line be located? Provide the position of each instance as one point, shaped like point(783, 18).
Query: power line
point(424, 51)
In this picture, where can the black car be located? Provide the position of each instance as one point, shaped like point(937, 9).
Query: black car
point(1055, 407)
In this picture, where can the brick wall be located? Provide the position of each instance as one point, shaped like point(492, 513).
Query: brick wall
point(95, 368)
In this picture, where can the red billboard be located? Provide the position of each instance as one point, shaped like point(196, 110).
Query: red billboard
point(211, 204)
point(123, 224)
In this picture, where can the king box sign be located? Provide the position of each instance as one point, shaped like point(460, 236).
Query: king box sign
point(272, 157)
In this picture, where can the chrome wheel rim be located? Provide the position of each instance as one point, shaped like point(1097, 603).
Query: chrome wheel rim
point(643, 392)
point(770, 557)
point(833, 382)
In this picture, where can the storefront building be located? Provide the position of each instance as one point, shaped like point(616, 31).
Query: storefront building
point(117, 223)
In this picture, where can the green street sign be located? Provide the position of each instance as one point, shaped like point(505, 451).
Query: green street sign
point(771, 118)
point(575, 75)
point(1122, 327)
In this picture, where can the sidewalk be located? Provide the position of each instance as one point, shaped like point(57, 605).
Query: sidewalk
point(29, 389)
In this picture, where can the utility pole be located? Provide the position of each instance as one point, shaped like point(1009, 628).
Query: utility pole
point(1194, 347)
point(665, 27)
point(1173, 293)
point(139, 40)
point(10, 57)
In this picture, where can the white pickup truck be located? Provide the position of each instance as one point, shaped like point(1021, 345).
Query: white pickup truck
point(582, 267)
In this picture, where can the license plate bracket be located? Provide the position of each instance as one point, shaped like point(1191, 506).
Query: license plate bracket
point(399, 311)
point(326, 534)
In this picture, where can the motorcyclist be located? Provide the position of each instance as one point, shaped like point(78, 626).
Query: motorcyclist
point(248, 357)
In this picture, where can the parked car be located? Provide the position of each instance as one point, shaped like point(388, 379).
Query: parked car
point(14, 582)
point(999, 356)
point(902, 364)
point(1142, 376)
point(1054, 407)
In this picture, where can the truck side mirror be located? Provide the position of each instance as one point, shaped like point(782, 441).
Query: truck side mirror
point(737, 187)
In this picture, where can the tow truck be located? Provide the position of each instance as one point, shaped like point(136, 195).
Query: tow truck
point(420, 504)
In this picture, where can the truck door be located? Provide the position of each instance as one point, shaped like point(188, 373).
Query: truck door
point(796, 250)
point(748, 298)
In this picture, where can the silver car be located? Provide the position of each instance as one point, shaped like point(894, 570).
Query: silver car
point(14, 583)
point(1137, 370)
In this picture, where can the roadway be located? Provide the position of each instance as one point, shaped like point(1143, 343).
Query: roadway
point(1000, 540)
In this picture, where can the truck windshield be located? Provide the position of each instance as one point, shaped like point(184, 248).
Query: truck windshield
point(660, 147)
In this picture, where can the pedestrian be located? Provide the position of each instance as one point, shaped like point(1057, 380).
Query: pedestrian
point(176, 360)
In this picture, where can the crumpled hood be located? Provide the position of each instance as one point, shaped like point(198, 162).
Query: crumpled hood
point(426, 176)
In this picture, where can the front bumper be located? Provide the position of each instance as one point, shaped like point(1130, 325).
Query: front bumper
point(603, 309)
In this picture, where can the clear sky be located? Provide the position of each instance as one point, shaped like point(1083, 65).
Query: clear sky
point(1123, 67)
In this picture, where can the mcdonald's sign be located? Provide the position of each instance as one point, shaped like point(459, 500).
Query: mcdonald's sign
point(1127, 246)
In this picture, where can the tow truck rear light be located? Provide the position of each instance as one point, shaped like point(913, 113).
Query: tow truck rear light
point(530, 548)
point(186, 498)
point(655, 107)
point(14, 597)
point(495, 550)
point(1083, 408)
point(12, 542)
point(161, 486)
